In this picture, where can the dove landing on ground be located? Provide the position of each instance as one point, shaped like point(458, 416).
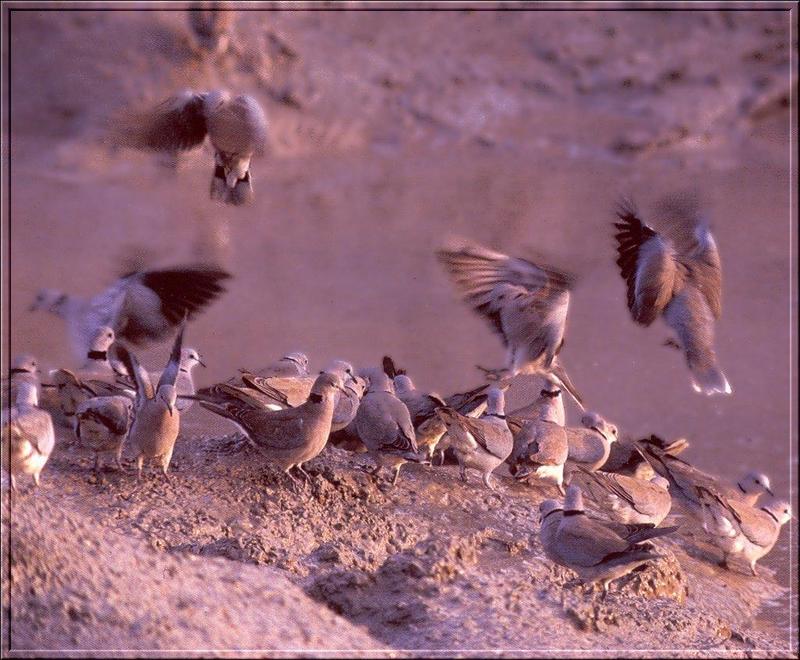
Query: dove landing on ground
point(742, 531)
point(287, 438)
point(141, 308)
point(676, 275)
point(184, 384)
point(156, 418)
point(236, 127)
point(28, 437)
point(590, 548)
point(525, 303)
point(483, 443)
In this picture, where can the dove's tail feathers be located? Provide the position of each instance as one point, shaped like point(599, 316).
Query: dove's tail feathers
point(709, 380)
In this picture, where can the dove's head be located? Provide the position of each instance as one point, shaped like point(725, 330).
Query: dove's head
point(754, 483)
point(495, 401)
point(344, 369)
point(298, 358)
point(24, 364)
point(102, 339)
point(547, 507)
point(190, 358)
point(596, 422)
point(658, 480)
point(781, 510)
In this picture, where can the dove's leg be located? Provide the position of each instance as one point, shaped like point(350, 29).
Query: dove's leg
point(396, 474)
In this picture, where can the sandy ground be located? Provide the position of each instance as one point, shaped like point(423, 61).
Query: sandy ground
point(390, 132)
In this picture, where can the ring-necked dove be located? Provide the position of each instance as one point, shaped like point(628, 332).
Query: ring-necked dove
point(540, 442)
point(677, 275)
point(684, 480)
point(28, 437)
point(102, 424)
point(592, 549)
point(589, 445)
point(141, 308)
point(628, 500)
point(525, 303)
point(384, 425)
point(287, 438)
point(211, 24)
point(156, 418)
point(236, 127)
point(740, 530)
point(483, 443)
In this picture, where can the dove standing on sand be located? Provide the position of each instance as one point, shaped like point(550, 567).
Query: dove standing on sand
point(525, 303)
point(589, 446)
point(156, 419)
point(628, 500)
point(102, 424)
point(589, 547)
point(235, 125)
point(483, 443)
point(384, 426)
point(685, 479)
point(141, 308)
point(287, 438)
point(742, 531)
point(211, 24)
point(24, 367)
point(540, 441)
point(28, 437)
point(676, 275)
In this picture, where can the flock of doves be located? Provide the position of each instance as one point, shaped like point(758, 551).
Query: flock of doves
point(289, 415)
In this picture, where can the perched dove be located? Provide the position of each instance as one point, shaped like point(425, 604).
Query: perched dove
point(525, 303)
point(141, 308)
point(287, 438)
point(236, 127)
point(629, 500)
point(28, 437)
point(590, 548)
point(676, 275)
point(684, 480)
point(156, 418)
point(483, 443)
